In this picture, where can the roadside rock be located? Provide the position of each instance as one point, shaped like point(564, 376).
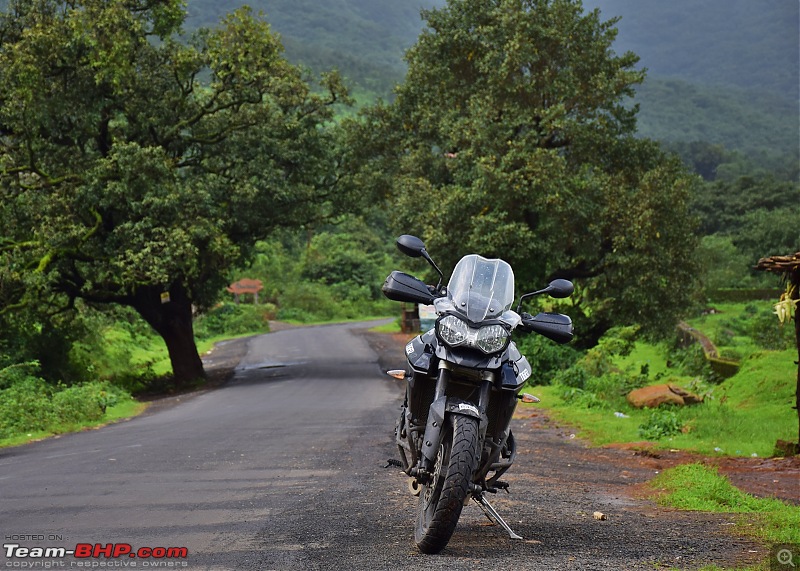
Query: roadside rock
point(656, 395)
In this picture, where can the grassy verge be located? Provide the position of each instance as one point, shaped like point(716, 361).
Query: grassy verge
point(743, 416)
point(125, 409)
point(391, 327)
point(697, 487)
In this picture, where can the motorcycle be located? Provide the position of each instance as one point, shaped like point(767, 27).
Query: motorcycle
point(463, 380)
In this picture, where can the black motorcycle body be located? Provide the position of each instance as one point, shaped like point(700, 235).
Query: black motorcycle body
point(463, 381)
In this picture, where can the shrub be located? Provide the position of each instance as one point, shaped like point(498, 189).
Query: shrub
point(768, 333)
point(28, 403)
point(547, 358)
point(26, 406)
point(663, 422)
point(235, 319)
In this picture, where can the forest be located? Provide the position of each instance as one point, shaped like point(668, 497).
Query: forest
point(161, 154)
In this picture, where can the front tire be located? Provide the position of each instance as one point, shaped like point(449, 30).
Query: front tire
point(442, 499)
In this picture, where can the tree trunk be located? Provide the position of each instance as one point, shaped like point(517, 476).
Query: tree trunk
point(169, 312)
point(794, 277)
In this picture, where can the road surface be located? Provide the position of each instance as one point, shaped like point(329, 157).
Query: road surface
point(282, 468)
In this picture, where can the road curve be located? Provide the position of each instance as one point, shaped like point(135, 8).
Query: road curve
point(282, 468)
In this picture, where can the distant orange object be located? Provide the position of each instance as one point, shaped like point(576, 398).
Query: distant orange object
point(244, 286)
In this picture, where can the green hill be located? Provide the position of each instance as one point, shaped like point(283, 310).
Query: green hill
point(721, 71)
point(746, 44)
point(364, 39)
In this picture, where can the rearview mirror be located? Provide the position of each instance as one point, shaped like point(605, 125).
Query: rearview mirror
point(559, 288)
point(410, 245)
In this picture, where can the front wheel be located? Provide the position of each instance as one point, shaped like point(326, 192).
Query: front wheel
point(443, 497)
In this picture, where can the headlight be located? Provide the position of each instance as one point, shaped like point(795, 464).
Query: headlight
point(491, 339)
point(453, 331)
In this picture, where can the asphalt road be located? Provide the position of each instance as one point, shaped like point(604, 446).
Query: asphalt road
point(282, 468)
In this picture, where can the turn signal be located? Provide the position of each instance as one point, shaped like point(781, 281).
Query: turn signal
point(525, 397)
point(397, 374)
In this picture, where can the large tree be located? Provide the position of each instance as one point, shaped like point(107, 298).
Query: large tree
point(137, 168)
point(511, 136)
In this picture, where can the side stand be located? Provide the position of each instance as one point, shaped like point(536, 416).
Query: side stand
point(492, 514)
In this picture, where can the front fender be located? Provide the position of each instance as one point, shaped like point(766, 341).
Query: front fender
point(440, 409)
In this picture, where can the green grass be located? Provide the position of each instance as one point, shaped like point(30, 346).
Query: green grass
point(391, 327)
point(126, 408)
point(652, 356)
point(744, 415)
point(701, 488)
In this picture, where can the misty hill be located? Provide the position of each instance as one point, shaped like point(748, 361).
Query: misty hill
point(752, 45)
point(364, 39)
point(722, 71)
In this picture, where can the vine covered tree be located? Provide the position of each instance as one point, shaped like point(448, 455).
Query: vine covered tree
point(136, 168)
point(510, 136)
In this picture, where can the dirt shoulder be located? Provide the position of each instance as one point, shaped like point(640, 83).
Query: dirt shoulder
point(762, 477)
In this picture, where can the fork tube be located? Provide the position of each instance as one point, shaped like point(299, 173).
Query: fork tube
point(441, 380)
point(485, 394)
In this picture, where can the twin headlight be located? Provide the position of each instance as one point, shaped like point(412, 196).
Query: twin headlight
point(455, 332)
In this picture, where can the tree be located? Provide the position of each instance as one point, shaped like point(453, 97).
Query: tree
point(138, 169)
point(510, 137)
point(788, 267)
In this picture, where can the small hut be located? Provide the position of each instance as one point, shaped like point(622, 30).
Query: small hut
point(245, 286)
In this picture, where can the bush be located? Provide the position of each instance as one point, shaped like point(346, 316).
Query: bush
point(28, 403)
point(662, 423)
point(235, 319)
point(547, 358)
point(768, 333)
point(26, 406)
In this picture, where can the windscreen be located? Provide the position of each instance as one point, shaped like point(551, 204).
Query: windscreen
point(480, 288)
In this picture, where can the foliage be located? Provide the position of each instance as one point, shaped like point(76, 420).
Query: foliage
point(235, 319)
point(726, 266)
point(28, 403)
point(598, 361)
point(547, 359)
point(662, 423)
point(719, 128)
point(740, 416)
point(747, 203)
point(124, 177)
point(325, 272)
point(364, 39)
point(510, 132)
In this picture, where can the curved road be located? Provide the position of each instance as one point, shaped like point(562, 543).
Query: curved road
point(282, 468)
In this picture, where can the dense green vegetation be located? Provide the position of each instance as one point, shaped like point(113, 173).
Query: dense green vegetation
point(127, 179)
point(520, 131)
point(363, 39)
point(742, 415)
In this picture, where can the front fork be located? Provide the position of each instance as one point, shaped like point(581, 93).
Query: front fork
point(444, 406)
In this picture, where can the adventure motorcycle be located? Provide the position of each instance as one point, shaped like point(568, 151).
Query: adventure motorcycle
point(463, 380)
